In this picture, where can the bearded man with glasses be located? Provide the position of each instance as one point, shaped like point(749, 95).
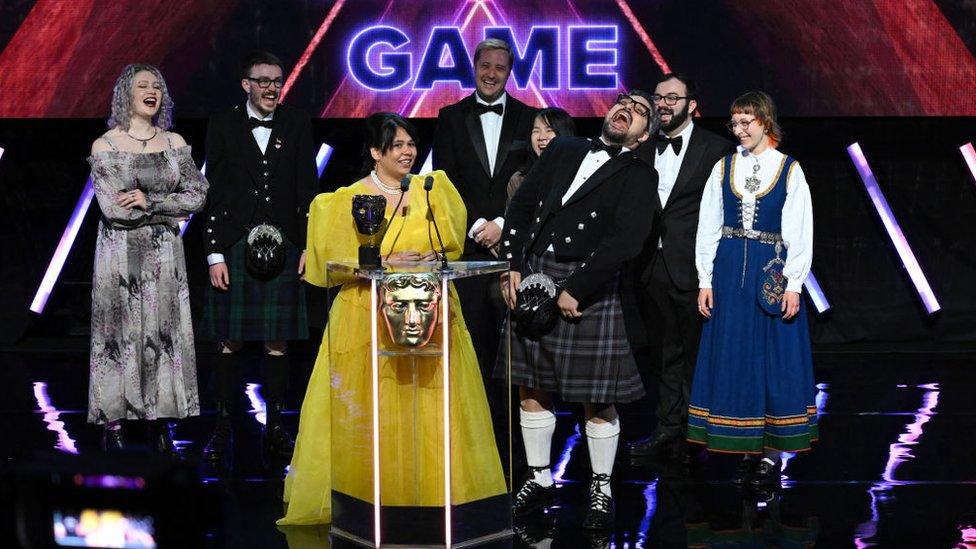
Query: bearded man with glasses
point(583, 211)
point(261, 164)
point(667, 289)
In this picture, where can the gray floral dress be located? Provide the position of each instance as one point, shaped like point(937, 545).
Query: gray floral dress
point(143, 364)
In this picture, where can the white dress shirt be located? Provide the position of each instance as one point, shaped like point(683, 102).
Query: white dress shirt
point(590, 164)
point(797, 216)
point(668, 164)
point(262, 136)
point(491, 129)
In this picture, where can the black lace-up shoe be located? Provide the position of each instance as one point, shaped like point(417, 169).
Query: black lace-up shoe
point(744, 471)
point(602, 509)
point(767, 474)
point(532, 495)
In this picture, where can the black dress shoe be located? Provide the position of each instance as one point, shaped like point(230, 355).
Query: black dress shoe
point(602, 509)
point(275, 439)
point(112, 440)
point(767, 474)
point(532, 495)
point(660, 444)
point(162, 438)
point(220, 447)
point(744, 471)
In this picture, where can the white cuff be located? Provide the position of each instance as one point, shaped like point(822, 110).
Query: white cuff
point(500, 221)
point(474, 226)
point(214, 259)
point(794, 286)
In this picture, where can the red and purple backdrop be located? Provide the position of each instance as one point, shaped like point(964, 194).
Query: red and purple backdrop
point(345, 59)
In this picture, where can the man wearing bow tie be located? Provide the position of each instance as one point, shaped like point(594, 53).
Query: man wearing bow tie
point(480, 142)
point(683, 156)
point(583, 211)
point(261, 165)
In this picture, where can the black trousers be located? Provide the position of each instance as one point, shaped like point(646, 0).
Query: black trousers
point(679, 330)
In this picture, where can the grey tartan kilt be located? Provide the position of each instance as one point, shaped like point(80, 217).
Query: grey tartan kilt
point(582, 360)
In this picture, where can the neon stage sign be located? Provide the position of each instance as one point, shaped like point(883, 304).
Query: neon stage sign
point(378, 58)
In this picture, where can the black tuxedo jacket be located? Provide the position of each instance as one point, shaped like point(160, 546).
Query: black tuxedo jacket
point(236, 168)
point(604, 223)
point(677, 222)
point(460, 150)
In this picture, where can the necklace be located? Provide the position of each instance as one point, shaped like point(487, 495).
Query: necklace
point(385, 188)
point(753, 182)
point(143, 141)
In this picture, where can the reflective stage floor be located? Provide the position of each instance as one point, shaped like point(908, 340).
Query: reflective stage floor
point(895, 466)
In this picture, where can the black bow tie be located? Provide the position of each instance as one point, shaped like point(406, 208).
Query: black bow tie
point(481, 108)
point(254, 122)
point(597, 145)
point(663, 141)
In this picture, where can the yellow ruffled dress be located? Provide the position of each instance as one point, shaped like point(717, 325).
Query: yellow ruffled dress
point(333, 449)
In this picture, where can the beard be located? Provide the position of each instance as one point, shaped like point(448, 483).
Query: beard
point(677, 118)
point(612, 135)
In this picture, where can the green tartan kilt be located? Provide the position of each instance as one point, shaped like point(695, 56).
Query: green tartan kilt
point(255, 310)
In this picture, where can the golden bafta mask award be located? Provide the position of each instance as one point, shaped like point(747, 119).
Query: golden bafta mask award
point(409, 303)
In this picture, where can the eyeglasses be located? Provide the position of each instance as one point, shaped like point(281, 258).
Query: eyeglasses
point(670, 99)
point(632, 104)
point(741, 124)
point(265, 83)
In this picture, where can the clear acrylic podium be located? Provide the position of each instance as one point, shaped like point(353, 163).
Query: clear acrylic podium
point(413, 465)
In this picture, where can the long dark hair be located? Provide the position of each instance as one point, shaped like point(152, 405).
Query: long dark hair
point(561, 123)
point(380, 131)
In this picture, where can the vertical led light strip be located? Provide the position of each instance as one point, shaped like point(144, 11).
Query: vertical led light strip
point(446, 367)
point(816, 293)
point(911, 265)
point(375, 371)
point(64, 246)
point(258, 405)
point(323, 157)
point(967, 150)
point(1, 152)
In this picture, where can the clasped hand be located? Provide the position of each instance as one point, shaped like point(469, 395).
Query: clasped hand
point(134, 198)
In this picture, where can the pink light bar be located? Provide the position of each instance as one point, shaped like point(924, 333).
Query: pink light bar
point(375, 379)
point(967, 150)
point(64, 246)
point(898, 239)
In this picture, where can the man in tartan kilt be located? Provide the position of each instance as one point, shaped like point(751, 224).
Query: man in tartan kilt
point(582, 212)
point(261, 163)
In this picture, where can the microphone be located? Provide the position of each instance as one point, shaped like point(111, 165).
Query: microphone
point(404, 186)
point(428, 185)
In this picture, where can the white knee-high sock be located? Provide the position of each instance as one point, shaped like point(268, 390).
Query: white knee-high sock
point(537, 429)
point(601, 440)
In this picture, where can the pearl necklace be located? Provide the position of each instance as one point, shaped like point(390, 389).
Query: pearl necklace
point(385, 188)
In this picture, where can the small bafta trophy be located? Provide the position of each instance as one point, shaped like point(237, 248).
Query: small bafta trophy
point(368, 212)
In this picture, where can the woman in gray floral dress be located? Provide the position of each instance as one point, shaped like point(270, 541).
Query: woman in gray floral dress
point(143, 364)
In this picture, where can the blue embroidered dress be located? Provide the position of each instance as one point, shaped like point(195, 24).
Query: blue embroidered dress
point(753, 386)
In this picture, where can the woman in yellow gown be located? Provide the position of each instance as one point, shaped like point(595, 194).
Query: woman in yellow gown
point(333, 451)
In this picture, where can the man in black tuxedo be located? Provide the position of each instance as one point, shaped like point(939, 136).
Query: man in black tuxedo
point(261, 165)
point(683, 156)
point(583, 211)
point(480, 142)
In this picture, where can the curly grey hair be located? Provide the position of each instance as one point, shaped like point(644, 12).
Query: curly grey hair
point(122, 99)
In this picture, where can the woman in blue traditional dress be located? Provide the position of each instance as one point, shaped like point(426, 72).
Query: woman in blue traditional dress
point(753, 391)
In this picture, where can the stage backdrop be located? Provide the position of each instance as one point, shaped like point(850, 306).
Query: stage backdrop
point(349, 58)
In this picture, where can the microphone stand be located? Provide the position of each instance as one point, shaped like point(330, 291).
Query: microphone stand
point(404, 186)
point(428, 185)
